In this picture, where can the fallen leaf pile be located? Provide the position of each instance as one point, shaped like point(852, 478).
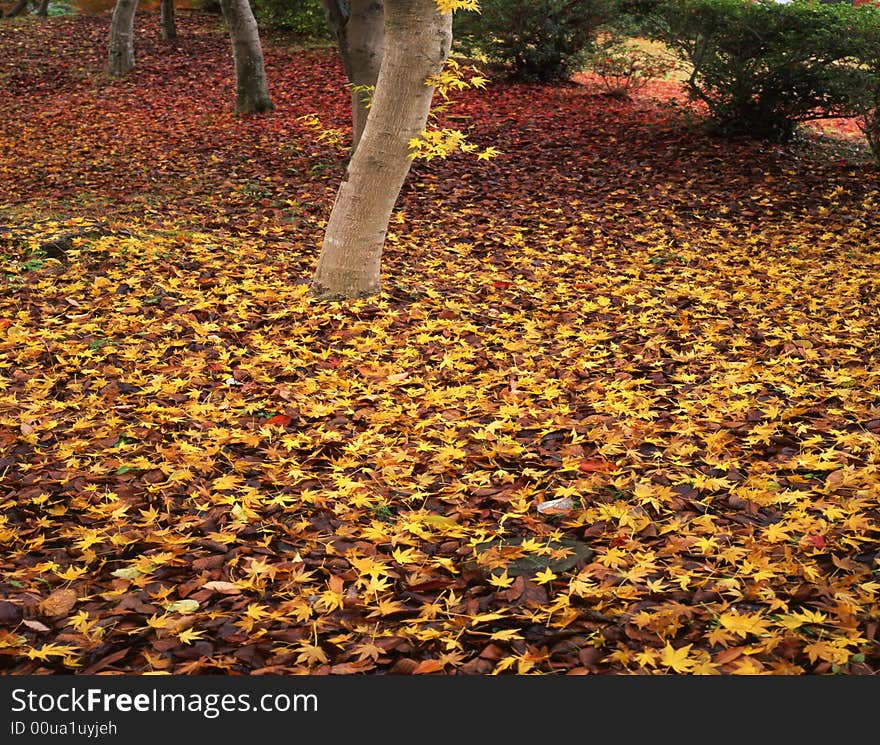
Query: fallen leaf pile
point(616, 409)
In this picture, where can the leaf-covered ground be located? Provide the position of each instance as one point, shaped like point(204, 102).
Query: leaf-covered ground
point(206, 470)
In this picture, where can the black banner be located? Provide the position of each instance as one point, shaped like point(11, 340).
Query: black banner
point(235, 709)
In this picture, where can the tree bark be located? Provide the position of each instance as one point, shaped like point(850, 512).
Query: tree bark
point(169, 27)
point(121, 48)
point(251, 89)
point(43, 8)
point(17, 9)
point(417, 42)
point(359, 28)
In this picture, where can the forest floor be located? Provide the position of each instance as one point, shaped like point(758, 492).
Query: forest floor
point(615, 411)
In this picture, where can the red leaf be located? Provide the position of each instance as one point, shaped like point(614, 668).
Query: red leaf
point(281, 420)
point(596, 466)
point(817, 540)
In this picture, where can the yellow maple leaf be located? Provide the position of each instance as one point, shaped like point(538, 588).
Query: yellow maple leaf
point(677, 659)
point(311, 654)
point(51, 650)
point(450, 6)
point(501, 580)
point(743, 624)
point(188, 636)
point(368, 651)
point(72, 572)
point(506, 635)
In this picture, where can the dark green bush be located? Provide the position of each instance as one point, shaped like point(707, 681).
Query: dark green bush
point(304, 18)
point(209, 6)
point(532, 39)
point(868, 103)
point(763, 67)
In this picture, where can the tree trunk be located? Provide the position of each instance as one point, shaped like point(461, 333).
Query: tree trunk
point(17, 9)
point(169, 27)
point(43, 8)
point(121, 52)
point(251, 89)
point(417, 41)
point(359, 28)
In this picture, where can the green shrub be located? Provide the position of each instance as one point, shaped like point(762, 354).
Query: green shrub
point(868, 103)
point(763, 67)
point(532, 39)
point(304, 18)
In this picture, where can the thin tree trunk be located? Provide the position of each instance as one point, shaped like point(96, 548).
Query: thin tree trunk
point(251, 89)
point(417, 41)
point(121, 48)
point(169, 27)
point(17, 9)
point(43, 8)
point(359, 28)
point(366, 48)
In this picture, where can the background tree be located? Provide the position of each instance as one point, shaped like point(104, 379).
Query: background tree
point(17, 9)
point(251, 88)
point(169, 27)
point(359, 29)
point(121, 46)
point(418, 36)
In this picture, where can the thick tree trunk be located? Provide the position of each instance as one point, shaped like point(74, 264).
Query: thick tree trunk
point(121, 48)
point(251, 89)
point(417, 41)
point(169, 27)
point(43, 8)
point(359, 28)
point(17, 9)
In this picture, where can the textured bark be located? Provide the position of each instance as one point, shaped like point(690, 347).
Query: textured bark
point(43, 8)
point(17, 9)
point(251, 89)
point(417, 41)
point(121, 48)
point(359, 28)
point(169, 27)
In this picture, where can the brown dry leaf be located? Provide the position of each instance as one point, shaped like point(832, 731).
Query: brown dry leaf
point(351, 668)
point(728, 655)
point(224, 588)
point(35, 625)
point(428, 666)
point(403, 666)
point(106, 661)
point(10, 613)
point(59, 602)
